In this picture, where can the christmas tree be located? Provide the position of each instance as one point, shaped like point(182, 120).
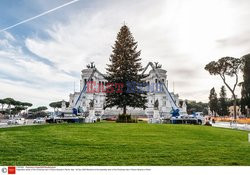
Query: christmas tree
point(123, 72)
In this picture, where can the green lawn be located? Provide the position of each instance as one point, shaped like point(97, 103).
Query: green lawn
point(123, 144)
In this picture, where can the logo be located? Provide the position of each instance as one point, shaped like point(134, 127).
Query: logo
point(128, 87)
point(11, 170)
point(4, 170)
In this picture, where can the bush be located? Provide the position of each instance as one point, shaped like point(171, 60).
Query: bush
point(124, 118)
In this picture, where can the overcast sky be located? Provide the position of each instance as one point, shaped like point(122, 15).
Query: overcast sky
point(41, 59)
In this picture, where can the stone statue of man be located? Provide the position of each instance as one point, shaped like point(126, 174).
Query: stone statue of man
point(156, 104)
point(91, 104)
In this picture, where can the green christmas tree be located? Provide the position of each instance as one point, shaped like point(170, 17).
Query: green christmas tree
point(123, 71)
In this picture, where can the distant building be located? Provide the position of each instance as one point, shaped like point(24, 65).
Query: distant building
point(1, 116)
point(2, 111)
point(99, 98)
point(231, 111)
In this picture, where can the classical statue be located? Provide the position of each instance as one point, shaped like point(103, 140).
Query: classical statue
point(91, 65)
point(156, 104)
point(91, 104)
point(157, 65)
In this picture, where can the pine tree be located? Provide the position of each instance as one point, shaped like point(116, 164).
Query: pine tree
point(223, 107)
point(124, 69)
point(213, 101)
point(245, 92)
point(227, 67)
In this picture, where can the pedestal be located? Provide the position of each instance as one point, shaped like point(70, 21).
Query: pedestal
point(91, 117)
point(156, 114)
point(156, 117)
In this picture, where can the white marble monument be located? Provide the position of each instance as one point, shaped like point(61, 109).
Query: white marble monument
point(164, 107)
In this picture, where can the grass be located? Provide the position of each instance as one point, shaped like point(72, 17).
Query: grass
point(123, 144)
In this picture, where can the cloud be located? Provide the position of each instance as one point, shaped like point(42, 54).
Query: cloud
point(22, 75)
point(89, 35)
point(177, 34)
point(25, 92)
point(39, 15)
point(240, 40)
point(181, 35)
point(185, 72)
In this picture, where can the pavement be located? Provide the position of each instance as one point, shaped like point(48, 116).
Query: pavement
point(3, 123)
point(229, 125)
point(246, 127)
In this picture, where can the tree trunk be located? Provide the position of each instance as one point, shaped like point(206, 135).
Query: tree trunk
point(247, 112)
point(124, 109)
point(235, 116)
point(9, 107)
